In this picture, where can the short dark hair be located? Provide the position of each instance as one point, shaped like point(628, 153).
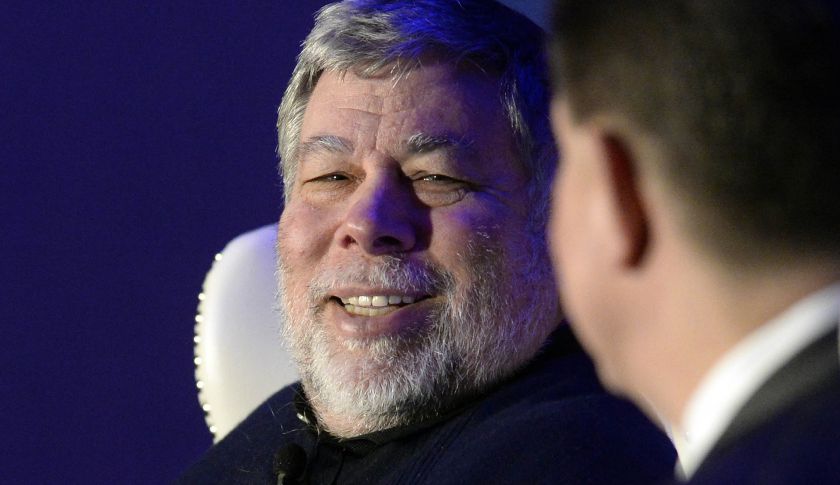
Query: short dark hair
point(744, 97)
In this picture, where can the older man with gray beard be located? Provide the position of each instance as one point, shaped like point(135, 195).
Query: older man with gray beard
point(415, 285)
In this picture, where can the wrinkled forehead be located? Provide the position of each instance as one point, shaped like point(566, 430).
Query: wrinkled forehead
point(437, 99)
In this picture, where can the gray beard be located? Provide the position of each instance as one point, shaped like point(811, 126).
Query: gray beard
point(482, 333)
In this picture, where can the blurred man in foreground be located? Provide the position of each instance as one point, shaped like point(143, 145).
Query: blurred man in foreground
point(416, 287)
point(697, 222)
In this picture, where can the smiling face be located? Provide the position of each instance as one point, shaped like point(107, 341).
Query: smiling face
point(408, 268)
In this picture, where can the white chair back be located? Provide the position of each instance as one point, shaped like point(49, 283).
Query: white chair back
point(240, 359)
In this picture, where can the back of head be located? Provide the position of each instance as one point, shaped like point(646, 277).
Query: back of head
point(743, 97)
point(392, 37)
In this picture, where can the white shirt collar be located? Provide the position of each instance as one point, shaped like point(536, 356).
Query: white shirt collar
point(741, 371)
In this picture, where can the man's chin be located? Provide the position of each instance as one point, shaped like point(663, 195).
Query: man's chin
point(367, 364)
point(377, 381)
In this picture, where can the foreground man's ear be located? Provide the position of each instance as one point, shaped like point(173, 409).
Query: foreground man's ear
point(621, 170)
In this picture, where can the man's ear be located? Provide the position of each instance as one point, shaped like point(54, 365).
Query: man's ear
point(621, 177)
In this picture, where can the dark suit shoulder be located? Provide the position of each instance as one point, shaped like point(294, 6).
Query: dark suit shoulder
point(799, 445)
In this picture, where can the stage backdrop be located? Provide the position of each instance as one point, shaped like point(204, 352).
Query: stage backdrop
point(136, 139)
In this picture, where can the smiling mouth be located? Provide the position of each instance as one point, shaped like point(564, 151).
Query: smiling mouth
point(376, 305)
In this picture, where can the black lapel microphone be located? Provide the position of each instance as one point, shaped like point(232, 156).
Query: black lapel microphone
point(289, 464)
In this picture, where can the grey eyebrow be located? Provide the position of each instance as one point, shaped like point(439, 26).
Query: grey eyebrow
point(325, 143)
point(424, 143)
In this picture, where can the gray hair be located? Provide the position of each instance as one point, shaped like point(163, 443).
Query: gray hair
point(369, 36)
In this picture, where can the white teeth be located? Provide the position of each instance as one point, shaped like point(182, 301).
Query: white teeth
point(368, 311)
point(377, 301)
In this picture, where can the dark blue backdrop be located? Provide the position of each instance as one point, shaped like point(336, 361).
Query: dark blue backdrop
point(136, 139)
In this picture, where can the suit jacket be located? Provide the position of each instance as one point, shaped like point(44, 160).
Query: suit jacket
point(550, 423)
point(788, 432)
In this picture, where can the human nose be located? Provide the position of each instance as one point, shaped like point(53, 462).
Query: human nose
point(381, 218)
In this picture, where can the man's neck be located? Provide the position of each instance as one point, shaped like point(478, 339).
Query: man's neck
point(696, 310)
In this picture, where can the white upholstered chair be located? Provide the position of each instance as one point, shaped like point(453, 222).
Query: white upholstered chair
point(239, 357)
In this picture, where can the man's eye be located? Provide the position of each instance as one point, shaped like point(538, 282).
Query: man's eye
point(439, 179)
point(440, 190)
point(330, 177)
point(436, 181)
point(327, 188)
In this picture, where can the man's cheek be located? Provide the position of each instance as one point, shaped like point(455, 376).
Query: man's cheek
point(470, 223)
point(303, 235)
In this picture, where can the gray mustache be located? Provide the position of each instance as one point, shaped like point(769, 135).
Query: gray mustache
point(401, 275)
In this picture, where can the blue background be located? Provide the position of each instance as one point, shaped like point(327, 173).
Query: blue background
point(136, 139)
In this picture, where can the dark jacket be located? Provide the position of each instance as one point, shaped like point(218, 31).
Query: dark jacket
point(550, 423)
point(789, 431)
